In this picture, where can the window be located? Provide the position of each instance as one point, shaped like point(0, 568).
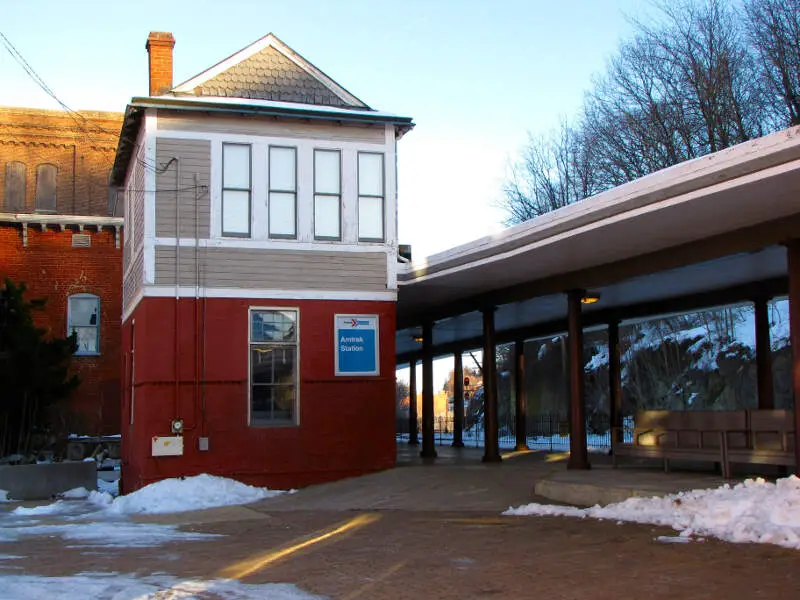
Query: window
point(83, 319)
point(236, 183)
point(282, 192)
point(14, 192)
point(327, 195)
point(370, 197)
point(46, 182)
point(273, 366)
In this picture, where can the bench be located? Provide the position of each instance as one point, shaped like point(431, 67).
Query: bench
point(719, 437)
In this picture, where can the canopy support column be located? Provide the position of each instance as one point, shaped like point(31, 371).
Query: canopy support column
point(412, 403)
point(458, 400)
point(793, 255)
point(578, 453)
point(428, 447)
point(520, 399)
point(614, 385)
point(766, 397)
point(491, 446)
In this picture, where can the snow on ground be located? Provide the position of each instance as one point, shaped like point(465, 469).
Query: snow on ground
point(753, 511)
point(189, 493)
point(120, 586)
point(4, 496)
point(91, 518)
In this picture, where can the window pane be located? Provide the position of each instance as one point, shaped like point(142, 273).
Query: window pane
point(271, 403)
point(283, 361)
point(273, 326)
point(46, 180)
point(370, 218)
point(235, 212)
point(326, 172)
point(326, 216)
point(15, 186)
point(281, 169)
point(83, 311)
point(370, 174)
point(281, 214)
point(87, 339)
point(236, 165)
point(261, 359)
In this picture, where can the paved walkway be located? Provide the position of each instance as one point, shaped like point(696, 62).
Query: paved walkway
point(435, 531)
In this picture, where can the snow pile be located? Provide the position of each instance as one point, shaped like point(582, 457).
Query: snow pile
point(109, 487)
point(190, 493)
point(56, 508)
point(752, 511)
point(121, 585)
point(4, 496)
point(78, 493)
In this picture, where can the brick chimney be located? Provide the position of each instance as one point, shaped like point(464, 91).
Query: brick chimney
point(159, 48)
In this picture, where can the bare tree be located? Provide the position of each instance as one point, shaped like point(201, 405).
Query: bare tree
point(684, 85)
point(774, 30)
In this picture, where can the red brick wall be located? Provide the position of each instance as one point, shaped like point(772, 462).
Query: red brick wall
point(52, 269)
point(346, 423)
point(82, 151)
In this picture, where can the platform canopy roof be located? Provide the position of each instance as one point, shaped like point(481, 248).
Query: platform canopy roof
point(699, 234)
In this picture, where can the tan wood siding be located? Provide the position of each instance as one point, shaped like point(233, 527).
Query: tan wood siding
point(134, 280)
point(194, 158)
point(371, 133)
point(273, 269)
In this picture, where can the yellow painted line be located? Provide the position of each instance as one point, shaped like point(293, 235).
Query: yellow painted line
point(556, 456)
point(379, 579)
point(256, 563)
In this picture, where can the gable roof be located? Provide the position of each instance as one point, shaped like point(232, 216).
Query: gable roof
point(269, 70)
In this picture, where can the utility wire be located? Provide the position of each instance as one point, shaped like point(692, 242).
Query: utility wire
point(80, 120)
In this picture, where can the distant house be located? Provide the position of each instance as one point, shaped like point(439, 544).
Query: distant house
point(61, 234)
point(260, 273)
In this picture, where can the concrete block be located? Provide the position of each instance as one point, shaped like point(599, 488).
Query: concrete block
point(40, 482)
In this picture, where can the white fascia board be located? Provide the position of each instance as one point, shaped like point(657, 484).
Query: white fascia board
point(565, 236)
point(62, 220)
point(276, 104)
point(275, 244)
point(222, 66)
point(169, 291)
point(629, 196)
point(268, 40)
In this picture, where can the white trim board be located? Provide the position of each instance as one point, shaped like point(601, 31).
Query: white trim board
point(151, 291)
point(269, 40)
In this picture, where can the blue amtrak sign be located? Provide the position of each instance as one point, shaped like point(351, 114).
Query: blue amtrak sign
point(356, 345)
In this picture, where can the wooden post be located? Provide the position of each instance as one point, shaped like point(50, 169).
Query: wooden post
point(520, 399)
point(793, 255)
point(412, 403)
point(491, 451)
point(428, 446)
point(458, 400)
point(763, 355)
point(578, 452)
point(614, 384)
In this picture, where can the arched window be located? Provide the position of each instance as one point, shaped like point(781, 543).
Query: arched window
point(46, 184)
point(14, 189)
point(83, 319)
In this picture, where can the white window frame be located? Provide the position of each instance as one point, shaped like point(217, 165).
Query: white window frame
point(271, 190)
point(382, 197)
point(250, 343)
point(78, 351)
point(249, 191)
point(327, 195)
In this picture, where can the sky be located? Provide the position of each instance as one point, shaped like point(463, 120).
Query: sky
point(478, 77)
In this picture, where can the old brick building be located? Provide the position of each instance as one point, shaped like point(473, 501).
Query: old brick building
point(61, 234)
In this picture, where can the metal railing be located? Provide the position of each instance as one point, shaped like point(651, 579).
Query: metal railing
point(544, 432)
